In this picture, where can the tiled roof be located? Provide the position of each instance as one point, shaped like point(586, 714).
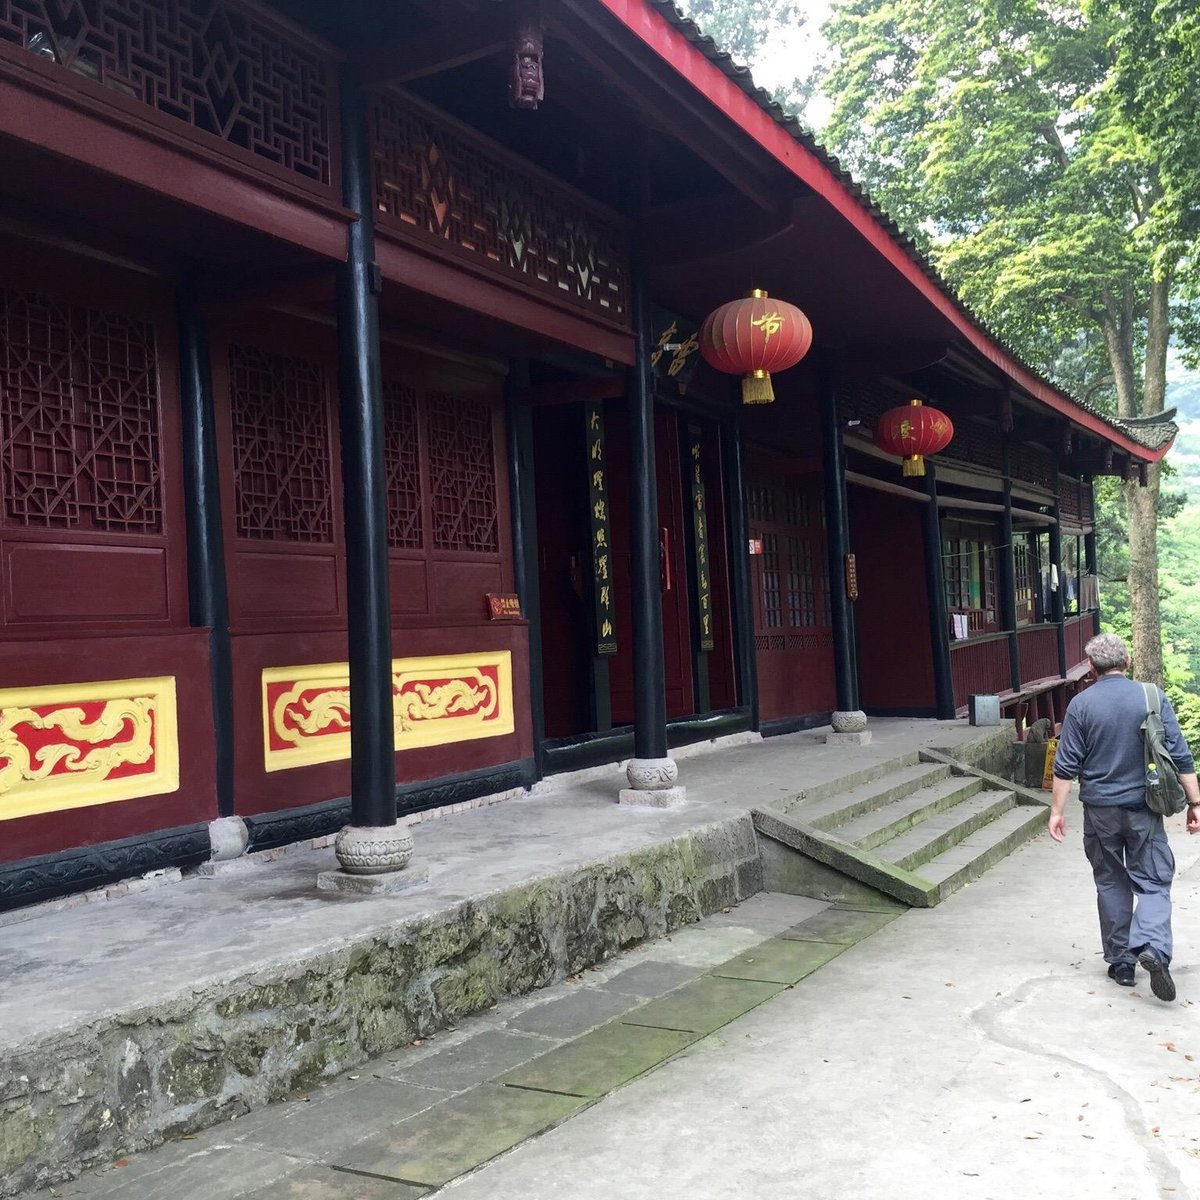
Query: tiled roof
point(1154, 433)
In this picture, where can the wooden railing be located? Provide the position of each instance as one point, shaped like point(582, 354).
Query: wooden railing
point(1079, 632)
point(1038, 646)
point(980, 665)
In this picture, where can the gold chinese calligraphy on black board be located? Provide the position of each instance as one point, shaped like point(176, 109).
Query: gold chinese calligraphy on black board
point(700, 538)
point(676, 352)
point(598, 515)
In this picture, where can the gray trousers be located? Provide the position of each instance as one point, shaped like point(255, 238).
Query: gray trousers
point(1130, 857)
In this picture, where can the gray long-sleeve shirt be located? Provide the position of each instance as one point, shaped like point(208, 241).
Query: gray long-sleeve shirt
point(1101, 742)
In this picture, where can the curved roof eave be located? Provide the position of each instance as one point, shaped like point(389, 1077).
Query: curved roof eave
point(697, 59)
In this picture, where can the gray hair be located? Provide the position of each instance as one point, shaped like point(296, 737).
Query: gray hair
point(1107, 652)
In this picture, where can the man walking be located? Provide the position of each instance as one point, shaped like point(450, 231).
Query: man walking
point(1101, 746)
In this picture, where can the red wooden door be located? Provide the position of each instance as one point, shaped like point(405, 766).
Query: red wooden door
point(793, 636)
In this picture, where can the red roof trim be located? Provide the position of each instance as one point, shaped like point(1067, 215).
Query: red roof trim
point(656, 32)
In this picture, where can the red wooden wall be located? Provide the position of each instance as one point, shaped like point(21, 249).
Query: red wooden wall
point(891, 614)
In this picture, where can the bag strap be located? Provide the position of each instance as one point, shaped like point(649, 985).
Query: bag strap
point(1153, 700)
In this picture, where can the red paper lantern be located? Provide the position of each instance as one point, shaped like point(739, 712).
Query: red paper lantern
point(751, 338)
point(913, 431)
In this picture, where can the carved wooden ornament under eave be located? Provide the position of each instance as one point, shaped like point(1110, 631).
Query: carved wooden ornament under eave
point(526, 85)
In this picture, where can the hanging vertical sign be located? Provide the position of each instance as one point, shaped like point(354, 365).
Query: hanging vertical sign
point(598, 515)
point(700, 539)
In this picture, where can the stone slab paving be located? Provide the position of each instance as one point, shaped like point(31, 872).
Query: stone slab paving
point(780, 960)
point(704, 1005)
point(460, 1134)
point(575, 1014)
point(320, 1183)
point(600, 1061)
point(409, 1122)
point(476, 1060)
point(840, 925)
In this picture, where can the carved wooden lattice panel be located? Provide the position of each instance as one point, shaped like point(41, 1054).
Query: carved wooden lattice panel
point(402, 460)
point(205, 62)
point(79, 418)
point(1068, 499)
point(1033, 464)
point(462, 473)
point(434, 180)
point(282, 469)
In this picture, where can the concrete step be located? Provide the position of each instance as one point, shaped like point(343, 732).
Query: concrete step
point(931, 838)
point(898, 816)
point(844, 781)
point(839, 808)
point(984, 849)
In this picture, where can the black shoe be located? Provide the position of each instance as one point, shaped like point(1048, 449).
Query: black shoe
point(1122, 973)
point(1161, 983)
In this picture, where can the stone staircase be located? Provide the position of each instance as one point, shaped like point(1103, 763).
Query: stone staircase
point(916, 828)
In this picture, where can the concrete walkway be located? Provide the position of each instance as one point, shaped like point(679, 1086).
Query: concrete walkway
point(969, 1051)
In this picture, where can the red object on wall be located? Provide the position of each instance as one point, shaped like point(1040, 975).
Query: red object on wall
point(912, 431)
point(751, 338)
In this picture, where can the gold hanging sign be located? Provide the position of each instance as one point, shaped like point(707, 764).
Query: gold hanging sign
point(604, 598)
point(704, 623)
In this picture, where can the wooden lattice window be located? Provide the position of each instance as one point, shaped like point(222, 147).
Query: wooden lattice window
point(79, 418)
point(402, 459)
point(462, 473)
point(969, 576)
point(772, 591)
point(1026, 578)
point(282, 447)
point(210, 64)
point(438, 181)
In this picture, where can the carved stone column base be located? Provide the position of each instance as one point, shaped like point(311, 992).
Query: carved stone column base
point(666, 797)
point(854, 721)
point(848, 739)
point(652, 783)
point(386, 884)
point(849, 729)
point(367, 850)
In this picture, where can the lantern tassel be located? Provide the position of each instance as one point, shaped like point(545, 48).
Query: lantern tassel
point(756, 388)
point(914, 465)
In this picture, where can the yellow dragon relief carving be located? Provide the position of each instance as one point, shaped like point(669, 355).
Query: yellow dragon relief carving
point(18, 765)
point(297, 717)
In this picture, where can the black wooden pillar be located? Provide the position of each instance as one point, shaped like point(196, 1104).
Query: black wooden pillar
point(939, 618)
point(1090, 561)
point(837, 541)
point(523, 505)
point(649, 680)
point(208, 596)
point(372, 741)
point(739, 565)
point(1008, 589)
point(1057, 607)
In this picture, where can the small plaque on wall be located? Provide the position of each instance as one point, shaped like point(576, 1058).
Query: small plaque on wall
point(851, 577)
point(503, 606)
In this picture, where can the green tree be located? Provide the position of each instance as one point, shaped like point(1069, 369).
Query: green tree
point(744, 28)
point(1015, 138)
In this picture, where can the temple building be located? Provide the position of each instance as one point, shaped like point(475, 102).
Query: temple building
point(350, 361)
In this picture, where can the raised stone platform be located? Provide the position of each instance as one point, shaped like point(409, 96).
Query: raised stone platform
point(124, 1023)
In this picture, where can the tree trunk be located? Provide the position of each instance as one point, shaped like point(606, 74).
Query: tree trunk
point(1141, 503)
point(1141, 508)
point(1158, 336)
point(1120, 356)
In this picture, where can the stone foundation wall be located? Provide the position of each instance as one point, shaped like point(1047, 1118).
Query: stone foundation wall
point(88, 1095)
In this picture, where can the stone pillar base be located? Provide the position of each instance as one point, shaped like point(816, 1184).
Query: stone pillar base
point(652, 783)
point(373, 850)
point(848, 739)
point(386, 884)
point(666, 797)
